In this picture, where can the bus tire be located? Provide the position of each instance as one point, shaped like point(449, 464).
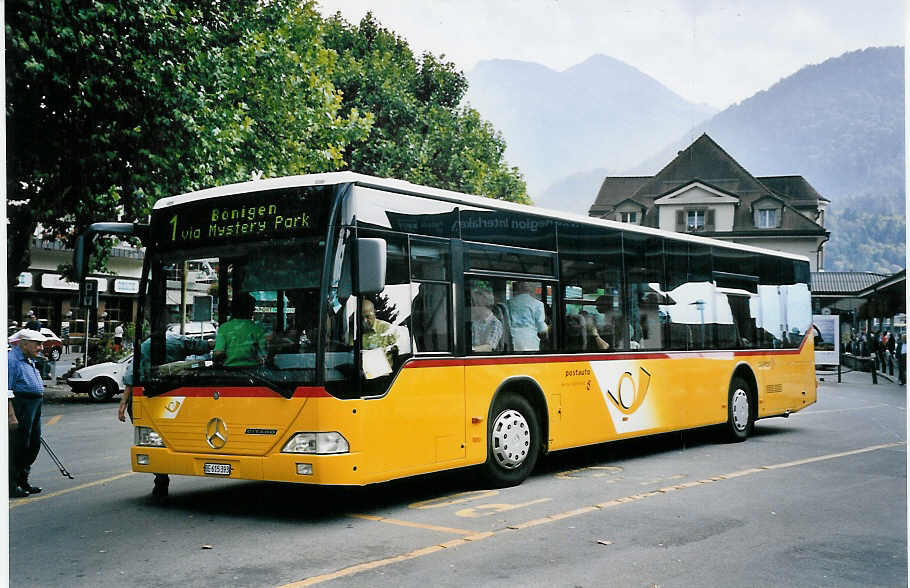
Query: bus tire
point(513, 441)
point(740, 412)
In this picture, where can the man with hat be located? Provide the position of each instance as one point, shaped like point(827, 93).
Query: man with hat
point(27, 389)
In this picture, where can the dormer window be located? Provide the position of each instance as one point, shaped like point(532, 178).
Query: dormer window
point(767, 218)
point(628, 217)
point(695, 221)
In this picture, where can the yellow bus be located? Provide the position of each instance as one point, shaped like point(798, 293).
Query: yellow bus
point(371, 329)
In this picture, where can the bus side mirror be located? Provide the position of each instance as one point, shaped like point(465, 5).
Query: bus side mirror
point(371, 258)
point(85, 242)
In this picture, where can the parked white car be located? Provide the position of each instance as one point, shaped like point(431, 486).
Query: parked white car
point(204, 329)
point(100, 381)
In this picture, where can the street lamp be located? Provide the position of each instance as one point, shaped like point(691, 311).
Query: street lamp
point(700, 305)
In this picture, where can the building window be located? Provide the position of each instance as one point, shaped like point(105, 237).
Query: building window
point(628, 217)
point(767, 218)
point(695, 221)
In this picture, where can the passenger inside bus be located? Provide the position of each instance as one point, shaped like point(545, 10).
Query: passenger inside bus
point(241, 341)
point(379, 340)
point(528, 323)
point(301, 320)
point(602, 330)
point(576, 331)
point(486, 329)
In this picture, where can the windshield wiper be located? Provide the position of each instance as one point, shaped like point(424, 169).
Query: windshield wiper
point(166, 382)
point(271, 385)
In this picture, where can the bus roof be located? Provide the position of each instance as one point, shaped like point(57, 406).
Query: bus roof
point(404, 187)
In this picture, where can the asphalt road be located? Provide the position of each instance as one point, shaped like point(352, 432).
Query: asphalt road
point(818, 499)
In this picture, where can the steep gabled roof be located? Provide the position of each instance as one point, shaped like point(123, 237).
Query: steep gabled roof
point(614, 190)
point(706, 161)
point(793, 188)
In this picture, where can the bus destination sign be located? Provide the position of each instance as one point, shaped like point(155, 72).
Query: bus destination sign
point(274, 214)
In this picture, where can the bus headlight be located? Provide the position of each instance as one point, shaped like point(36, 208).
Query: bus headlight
point(318, 443)
point(146, 436)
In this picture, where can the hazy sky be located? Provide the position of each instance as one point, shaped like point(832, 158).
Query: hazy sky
point(712, 51)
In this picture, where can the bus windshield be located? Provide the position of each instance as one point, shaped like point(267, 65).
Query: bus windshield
point(250, 318)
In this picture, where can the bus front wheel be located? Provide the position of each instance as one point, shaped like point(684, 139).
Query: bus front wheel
point(513, 441)
point(740, 420)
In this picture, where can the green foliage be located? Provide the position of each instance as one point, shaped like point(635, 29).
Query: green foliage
point(261, 104)
point(101, 350)
point(869, 237)
point(114, 105)
point(420, 134)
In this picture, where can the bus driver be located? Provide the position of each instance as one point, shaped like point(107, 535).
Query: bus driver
point(240, 342)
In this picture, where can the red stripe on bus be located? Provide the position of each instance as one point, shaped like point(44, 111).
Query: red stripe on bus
point(242, 392)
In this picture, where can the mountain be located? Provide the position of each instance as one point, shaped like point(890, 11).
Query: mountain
point(599, 113)
point(840, 125)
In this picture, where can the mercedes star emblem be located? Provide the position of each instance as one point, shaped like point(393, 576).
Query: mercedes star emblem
point(216, 433)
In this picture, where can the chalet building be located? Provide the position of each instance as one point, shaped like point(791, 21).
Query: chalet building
point(705, 191)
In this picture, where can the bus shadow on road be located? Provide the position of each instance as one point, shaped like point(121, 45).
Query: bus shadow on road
point(305, 503)
point(613, 452)
point(318, 504)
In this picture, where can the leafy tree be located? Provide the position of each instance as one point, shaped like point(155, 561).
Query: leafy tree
point(115, 105)
point(421, 134)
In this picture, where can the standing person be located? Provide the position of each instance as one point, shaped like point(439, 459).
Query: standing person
point(176, 348)
point(889, 348)
point(24, 382)
point(878, 350)
point(65, 331)
point(118, 337)
point(32, 323)
point(902, 358)
point(527, 318)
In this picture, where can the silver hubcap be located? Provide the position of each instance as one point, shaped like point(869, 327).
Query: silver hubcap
point(511, 439)
point(740, 404)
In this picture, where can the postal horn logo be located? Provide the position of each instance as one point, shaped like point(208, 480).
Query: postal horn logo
point(627, 396)
point(216, 433)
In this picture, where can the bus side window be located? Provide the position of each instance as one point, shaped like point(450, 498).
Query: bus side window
point(431, 306)
point(430, 317)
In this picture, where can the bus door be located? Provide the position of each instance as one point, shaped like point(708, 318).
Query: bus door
point(412, 382)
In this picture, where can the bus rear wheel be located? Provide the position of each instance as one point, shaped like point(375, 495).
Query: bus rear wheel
point(513, 441)
point(740, 419)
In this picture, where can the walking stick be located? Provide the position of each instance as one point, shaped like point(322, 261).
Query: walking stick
point(56, 459)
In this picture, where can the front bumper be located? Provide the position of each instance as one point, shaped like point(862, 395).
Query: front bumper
point(338, 469)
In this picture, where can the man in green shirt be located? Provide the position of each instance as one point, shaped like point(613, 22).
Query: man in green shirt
point(240, 342)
